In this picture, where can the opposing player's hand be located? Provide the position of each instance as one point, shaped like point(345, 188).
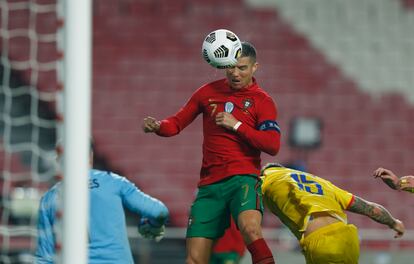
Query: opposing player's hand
point(407, 183)
point(399, 228)
point(149, 231)
point(388, 177)
point(226, 120)
point(150, 125)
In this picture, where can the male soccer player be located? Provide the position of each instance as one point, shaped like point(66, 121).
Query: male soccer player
point(239, 121)
point(108, 240)
point(313, 209)
point(405, 183)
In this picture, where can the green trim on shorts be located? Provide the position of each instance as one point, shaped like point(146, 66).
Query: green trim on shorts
point(225, 258)
point(211, 210)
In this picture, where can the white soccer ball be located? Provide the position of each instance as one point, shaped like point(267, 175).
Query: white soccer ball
point(221, 48)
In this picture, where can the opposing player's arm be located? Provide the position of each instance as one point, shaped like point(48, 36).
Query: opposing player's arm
point(141, 203)
point(154, 214)
point(377, 213)
point(388, 177)
point(405, 183)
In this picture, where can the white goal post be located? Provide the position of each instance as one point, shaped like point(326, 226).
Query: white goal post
point(76, 129)
point(33, 35)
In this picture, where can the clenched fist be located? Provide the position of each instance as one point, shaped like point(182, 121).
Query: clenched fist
point(226, 120)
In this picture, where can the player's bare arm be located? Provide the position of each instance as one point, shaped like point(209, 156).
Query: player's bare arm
point(226, 120)
point(377, 213)
point(388, 177)
point(150, 125)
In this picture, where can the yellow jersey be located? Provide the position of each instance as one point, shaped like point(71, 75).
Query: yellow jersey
point(294, 195)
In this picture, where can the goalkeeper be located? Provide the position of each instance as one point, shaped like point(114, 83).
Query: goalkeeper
point(313, 209)
point(108, 240)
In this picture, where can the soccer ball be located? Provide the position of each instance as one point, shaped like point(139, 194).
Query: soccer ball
point(221, 48)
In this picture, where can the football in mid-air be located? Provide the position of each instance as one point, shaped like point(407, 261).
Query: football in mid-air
point(221, 48)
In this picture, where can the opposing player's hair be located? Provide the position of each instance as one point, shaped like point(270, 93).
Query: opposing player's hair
point(248, 50)
point(271, 165)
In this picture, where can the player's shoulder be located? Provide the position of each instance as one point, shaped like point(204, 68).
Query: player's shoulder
point(108, 176)
point(276, 174)
point(261, 93)
point(53, 190)
point(99, 173)
point(260, 96)
point(210, 89)
point(49, 197)
point(105, 175)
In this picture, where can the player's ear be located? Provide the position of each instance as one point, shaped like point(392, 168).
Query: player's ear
point(255, 66)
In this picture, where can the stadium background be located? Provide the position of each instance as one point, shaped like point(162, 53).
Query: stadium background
point(348, 64)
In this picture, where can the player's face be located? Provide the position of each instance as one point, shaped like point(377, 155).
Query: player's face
point(241, 75)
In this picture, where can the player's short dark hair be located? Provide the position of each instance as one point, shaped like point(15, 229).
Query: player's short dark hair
point(248, 50)
point(271, 165)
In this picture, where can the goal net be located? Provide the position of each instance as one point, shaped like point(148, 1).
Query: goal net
point(39, 83)
point(30, 88)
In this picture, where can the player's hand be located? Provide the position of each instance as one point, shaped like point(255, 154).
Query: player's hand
point(399, 228)
point(226, 120)
point(149, 231)
point(406, 183)
point(388, 177)
point(150, 124)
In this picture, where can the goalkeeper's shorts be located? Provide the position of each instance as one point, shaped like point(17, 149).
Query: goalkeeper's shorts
point(211, 210)
point(334, 243)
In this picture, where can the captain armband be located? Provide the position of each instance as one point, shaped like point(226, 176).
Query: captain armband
point(269, 125)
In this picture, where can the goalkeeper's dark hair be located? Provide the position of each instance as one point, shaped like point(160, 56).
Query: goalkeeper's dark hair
point(271, 165)
point(248, 50)
point(91, 145)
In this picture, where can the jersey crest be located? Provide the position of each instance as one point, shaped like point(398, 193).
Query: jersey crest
point(247, 103)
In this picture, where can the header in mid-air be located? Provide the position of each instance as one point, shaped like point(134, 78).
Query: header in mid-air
point(221, 48)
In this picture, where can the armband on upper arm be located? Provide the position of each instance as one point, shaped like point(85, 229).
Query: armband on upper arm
point(268, 125)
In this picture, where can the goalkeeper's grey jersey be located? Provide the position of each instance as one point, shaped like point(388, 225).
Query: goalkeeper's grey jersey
point(108, 240)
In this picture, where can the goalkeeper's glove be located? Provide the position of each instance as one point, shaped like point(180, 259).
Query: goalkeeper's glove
point(150, 231)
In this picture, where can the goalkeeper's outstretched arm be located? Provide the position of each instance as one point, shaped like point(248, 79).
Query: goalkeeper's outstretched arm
point(154, 214)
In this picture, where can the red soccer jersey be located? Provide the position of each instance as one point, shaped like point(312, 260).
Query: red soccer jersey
point(225, 152)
